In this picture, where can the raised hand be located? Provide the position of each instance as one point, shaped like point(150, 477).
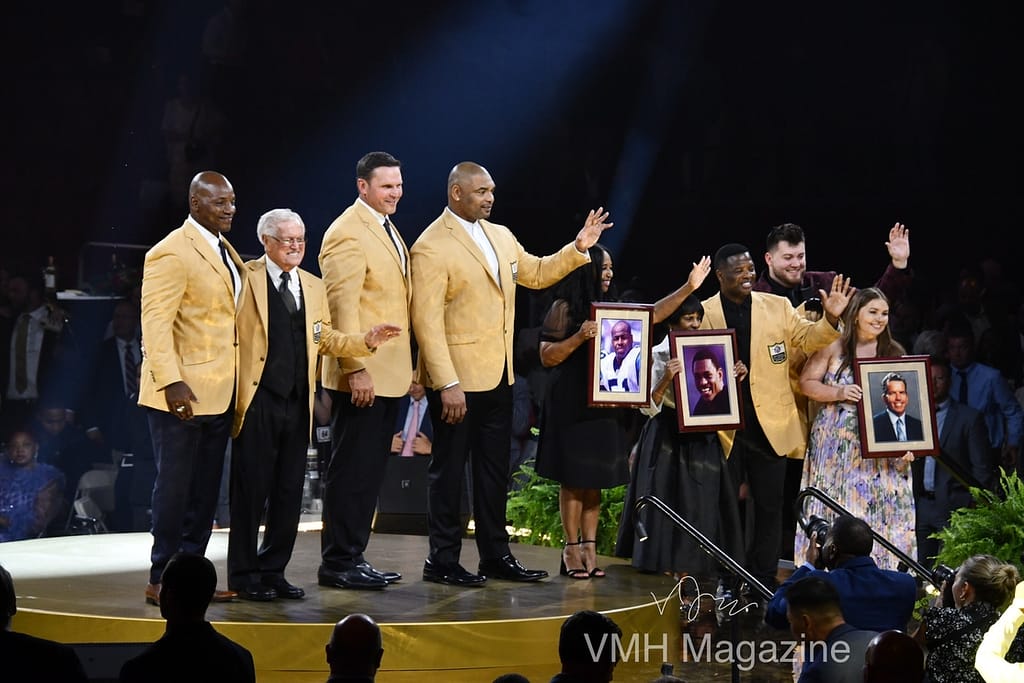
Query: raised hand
point(699, 272)
point(592, 228)
point(837, 298)
point(899, 245)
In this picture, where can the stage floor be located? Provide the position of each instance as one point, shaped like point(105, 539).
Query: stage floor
point(89, 589)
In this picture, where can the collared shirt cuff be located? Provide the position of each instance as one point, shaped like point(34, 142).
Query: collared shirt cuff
point(449, 385)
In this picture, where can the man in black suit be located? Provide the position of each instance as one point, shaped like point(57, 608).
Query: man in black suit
point(117, 423)
point(963, 440)
point(894, 423)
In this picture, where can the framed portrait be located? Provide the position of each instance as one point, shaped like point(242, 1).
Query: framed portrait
point(620, 355)
point(706, 391)
point(896, 413)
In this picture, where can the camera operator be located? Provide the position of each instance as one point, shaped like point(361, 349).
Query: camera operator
point(872, 599)
point(951, 631)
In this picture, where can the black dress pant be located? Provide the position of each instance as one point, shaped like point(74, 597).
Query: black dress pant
point(485, 435)
point(189, 458)
point(765, 473)
point(360, 444)
point(268, 467)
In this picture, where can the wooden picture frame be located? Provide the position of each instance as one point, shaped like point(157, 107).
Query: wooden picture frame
point(878, 431)
point(706, 391)
point(626, 381)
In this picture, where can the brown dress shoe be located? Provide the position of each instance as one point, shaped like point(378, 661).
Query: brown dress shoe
point(223, 596)
point(153, 594)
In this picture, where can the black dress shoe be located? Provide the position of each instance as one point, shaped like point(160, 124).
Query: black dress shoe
point(390, 577)
point(509, 569)
point(283, 588)
point(350, 578)
point(256, 592)
point(451, 574)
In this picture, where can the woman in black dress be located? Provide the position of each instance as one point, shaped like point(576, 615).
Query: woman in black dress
point(584, 448)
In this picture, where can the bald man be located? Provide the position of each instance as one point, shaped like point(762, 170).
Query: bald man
point(464, 275)
point(355, 649)
point(190, 291)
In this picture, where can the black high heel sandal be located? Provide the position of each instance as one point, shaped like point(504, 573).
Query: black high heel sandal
point(596, 572)
point(580, 573)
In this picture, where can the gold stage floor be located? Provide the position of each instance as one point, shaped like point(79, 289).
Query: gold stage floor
point(89, 589)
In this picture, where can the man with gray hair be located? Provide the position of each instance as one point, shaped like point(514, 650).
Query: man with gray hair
point(284, 322)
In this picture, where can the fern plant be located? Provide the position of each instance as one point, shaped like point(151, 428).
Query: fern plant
point(995, 526)
point(533, 511)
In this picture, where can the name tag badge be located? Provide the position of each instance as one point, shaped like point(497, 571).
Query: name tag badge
point(777, 352)
point(318, 327)
point(515, 271)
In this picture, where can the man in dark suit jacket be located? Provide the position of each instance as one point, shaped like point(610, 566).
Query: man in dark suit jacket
point(422, 433)
point(190, 645)
point(872, 598)
point(895, 419)
point(118, 424)
point(834, 649)
point(963, 440)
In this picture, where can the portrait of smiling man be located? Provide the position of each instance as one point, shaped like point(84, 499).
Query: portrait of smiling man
point(894, 423)
point(709, 380)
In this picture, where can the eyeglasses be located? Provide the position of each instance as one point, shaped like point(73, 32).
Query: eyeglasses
point(291, 241)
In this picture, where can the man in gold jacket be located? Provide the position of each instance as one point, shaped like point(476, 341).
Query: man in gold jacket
point(768, 330)
point(190, 289)
point(285, 323)
point(464, 271)
point(365, 266)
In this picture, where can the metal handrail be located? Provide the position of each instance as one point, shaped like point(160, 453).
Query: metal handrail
point(703, 541)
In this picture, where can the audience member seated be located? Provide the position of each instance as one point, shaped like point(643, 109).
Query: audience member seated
point(30, 491)
point(577, 646)
point(511, 678)
point(27, 658)
point(951, 633)
point(413, 409)
point(355, 650)
point(873, 599)
point(190, 644)
point(893, 657)
point(816, 618)
point(990, 661)
point(65, 445)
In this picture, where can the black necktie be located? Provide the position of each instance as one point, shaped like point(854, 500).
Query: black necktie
point(286, 294)
point(131, 371)
point(394, 240)
point(224, 257)
point(963, 386)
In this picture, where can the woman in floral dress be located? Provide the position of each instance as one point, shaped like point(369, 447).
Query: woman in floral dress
point(878, 490)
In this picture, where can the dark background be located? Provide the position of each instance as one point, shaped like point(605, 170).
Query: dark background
point(696, 123)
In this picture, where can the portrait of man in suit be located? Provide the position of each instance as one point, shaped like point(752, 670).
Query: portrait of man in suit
point(895, 423)
point(709, 380)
